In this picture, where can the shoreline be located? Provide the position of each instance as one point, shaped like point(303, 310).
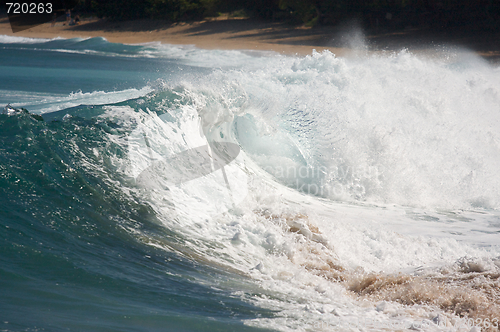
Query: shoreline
point(229, 34)
point(247, 34)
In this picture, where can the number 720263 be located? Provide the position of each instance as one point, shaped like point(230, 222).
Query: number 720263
point(29, 8)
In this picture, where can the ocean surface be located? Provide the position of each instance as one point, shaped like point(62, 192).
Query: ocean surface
point(167, 188)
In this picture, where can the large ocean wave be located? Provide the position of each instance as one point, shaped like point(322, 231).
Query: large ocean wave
point(312, 193)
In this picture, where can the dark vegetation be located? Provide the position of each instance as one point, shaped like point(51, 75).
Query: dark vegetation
point(385, 14)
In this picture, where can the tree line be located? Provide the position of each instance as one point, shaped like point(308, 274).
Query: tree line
point(371, 13)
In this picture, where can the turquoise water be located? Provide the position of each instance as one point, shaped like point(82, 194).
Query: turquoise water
point(392, 157)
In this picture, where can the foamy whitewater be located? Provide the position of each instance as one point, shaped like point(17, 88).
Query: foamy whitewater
point(174, 188)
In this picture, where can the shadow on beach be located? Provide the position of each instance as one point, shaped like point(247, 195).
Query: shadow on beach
point(484, 43)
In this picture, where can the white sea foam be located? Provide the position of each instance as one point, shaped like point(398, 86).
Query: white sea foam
point(392, 129)
point(194, 56)
point(47, 102)
point(4, 39)
point(329, 265)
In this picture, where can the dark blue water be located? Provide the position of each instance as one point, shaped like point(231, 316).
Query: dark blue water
point(68, 260)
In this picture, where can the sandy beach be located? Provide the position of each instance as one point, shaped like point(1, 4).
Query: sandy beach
point(212, 34)
point(234, 33)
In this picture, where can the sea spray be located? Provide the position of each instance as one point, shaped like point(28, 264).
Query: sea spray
point(392, 129)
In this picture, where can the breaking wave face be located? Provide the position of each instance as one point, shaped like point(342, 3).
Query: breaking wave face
point(333, 192)
point(396, 129)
